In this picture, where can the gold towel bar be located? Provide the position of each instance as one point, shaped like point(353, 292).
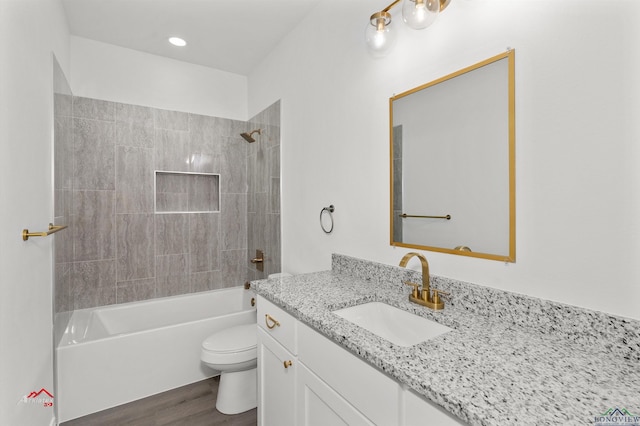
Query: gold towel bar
point(448, 217)
point(52, 230)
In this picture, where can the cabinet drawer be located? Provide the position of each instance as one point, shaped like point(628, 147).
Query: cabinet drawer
point(278, 324)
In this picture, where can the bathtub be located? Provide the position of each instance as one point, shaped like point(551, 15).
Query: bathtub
point(112, 355)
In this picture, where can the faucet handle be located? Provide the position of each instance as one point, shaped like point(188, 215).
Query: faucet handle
point(414, 292)
point(436, 295)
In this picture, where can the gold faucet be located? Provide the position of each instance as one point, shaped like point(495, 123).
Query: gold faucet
point(424, 296)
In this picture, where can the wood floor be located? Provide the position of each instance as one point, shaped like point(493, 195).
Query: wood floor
point(191, 405)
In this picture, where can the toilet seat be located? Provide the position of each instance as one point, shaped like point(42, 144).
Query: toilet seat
point(230, 346)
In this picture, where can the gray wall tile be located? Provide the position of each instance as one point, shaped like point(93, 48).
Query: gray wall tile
point(274, 161)
point(172, 264)
point(63, 152)
point(134, 126)
point(93, 225)
point(234, 267)
point(257, 225)
point(63, 241)
point(204, 242)
point(100, 296)
point(172, 202)
point(172, 234)
point(135, 246)
point(207, 132)
point(93, 274)
point(172, 120)
point(133, 291)
point(234, 166)
point(134, 114)
point(132, 134)
point(116, 148)
point(172, 192)
point(234, 221)
point(172, 150)
point(172, 286)
point(263, 197)
point(274, 195)
point(94, 108)
point(204, 193)
point(172, 275)
point(273, 245)
point(134, 180)
point(204, 281)
point(93, 283)
point(62, 288)
point(94, 154)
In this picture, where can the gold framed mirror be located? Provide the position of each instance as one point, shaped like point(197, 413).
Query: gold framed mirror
point(452, 162)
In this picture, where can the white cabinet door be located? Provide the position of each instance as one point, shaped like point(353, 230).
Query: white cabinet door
point(319, 405)
point(371, 392)
point(276, 383)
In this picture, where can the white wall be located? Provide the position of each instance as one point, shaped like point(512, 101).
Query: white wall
point(577, 62)
point(29, 31)
point(113, 73)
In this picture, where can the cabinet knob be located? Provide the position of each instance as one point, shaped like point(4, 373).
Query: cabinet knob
point(253, 301)
point(271, 322)
point(288, 363)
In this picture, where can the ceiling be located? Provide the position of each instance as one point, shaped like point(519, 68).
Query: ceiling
point(229, 35)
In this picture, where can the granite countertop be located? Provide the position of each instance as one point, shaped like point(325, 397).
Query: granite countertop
point(487, 371)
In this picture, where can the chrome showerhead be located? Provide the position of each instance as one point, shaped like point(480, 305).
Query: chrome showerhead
point(249, 136)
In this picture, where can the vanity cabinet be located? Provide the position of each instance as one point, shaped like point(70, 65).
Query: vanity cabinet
point(327, 385)
point(277, 365)
point(366, 389)
point(320, 405)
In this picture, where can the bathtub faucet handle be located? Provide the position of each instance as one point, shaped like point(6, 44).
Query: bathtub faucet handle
point(259, 260)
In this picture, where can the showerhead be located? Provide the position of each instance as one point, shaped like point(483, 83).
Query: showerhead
point(249, 136)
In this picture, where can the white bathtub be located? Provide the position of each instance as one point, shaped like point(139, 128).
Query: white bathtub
point(112, 355)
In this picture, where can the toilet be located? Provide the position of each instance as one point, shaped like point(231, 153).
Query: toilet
point(232, 351)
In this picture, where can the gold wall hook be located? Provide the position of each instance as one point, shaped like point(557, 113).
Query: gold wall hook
point(52, 230)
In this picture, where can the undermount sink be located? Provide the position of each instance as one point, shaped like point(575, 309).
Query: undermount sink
point(395, 325)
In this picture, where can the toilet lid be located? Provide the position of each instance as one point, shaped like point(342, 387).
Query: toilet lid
point(234, 339)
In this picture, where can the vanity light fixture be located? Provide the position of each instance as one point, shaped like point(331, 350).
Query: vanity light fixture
point(417, 14)
point(177, 41)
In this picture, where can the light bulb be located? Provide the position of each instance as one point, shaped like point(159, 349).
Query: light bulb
point(419, 14)
point(379, 37)
point(177, 41)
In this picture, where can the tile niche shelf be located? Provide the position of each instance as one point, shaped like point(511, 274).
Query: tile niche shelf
point(184, 192)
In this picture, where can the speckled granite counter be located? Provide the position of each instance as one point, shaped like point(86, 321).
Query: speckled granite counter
point(510, 359)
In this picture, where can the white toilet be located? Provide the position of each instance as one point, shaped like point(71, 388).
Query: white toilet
point(233, 352)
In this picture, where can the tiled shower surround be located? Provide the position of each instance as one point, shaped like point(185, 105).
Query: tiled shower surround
point(118, 248)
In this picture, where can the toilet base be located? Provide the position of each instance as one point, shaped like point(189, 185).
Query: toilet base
point(237, 392)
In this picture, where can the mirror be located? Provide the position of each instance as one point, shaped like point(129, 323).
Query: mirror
point(453, 162)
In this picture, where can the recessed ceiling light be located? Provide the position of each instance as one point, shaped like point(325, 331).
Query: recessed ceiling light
point(177, 41)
